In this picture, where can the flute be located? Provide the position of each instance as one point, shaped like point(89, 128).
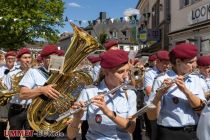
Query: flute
point(88, 102)
point(164, 86)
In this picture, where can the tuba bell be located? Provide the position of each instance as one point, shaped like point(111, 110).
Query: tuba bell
point(42, 112)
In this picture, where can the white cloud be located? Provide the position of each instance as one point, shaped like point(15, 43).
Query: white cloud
point(72, 4)
point(131, 11)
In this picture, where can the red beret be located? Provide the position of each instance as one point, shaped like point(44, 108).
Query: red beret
point(162, 55)
point(152, 57)
point(136, 61)
point(39, 58)
point(113, 58)
point(110, 43)
point(93, 59)
point(23, 51)
point(203, 61)
point(184, 51)
point(48, 50)
point(10, 53)
point(61, 52)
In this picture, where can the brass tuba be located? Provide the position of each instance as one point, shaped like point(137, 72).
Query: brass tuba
point(42, 112)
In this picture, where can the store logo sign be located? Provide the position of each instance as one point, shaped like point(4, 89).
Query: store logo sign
point(200, 14)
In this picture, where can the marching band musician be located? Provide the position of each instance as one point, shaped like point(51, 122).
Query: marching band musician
point(161, 66)
point(204, 67)
point(108, 116)
point(138, 75)
point(95, 66)
point(180, 100)
point(10, 58)
point(34, 79)
point(204, 122)
point(111, 44)
point(17, 114)
point(152, 60)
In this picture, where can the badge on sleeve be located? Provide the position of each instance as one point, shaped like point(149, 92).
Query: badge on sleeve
point(98, 118)
point(175, 100)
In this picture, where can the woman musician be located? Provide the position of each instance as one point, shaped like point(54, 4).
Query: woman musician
point(204, 67)
point(180, 100)
point(108, 116)
point(204, 122)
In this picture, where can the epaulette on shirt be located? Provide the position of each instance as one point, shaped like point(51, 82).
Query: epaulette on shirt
point(149, 69)
point(159, 75)
point(198, 74)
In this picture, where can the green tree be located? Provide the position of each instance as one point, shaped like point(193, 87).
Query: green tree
point(102, 39)
point(22, 21)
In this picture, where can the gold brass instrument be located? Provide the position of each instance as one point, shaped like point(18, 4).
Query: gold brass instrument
point(137, 74)
point(5, 94)
point(42, 112)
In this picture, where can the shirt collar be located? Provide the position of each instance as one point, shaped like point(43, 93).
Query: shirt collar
point(156, 70)
point(172, 73)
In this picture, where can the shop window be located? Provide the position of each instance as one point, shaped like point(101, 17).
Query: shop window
point(194, 1)
point(131, 48)
point(205, 46)
point(184, 3)
point(124, 33)
point(121, 47)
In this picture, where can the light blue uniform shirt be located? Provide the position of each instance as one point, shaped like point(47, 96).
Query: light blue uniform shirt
point(203, 127)
point(15, 99)
point(4, 109)
point(107, 129)
point(149, 77)
point(177, 114)
point(3, 76)
point(205, 83)
point(33, 78)
point(96, 71)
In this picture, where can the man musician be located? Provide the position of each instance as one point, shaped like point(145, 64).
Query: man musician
point(17, 114)
point(10, 58)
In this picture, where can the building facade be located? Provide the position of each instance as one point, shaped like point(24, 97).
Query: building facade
point(190, 22)
point(154, 25)
point(124, 31)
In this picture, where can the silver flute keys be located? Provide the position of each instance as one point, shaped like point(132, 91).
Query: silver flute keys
point(88, 102)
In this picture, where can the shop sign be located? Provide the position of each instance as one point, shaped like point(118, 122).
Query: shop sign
point(143, 36)
point(200, 14)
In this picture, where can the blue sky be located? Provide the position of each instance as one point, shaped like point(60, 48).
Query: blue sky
point(90, 9)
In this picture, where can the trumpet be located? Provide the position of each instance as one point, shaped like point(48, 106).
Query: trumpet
point(88, 102)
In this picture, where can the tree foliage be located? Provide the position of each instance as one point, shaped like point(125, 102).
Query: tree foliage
point(22, 21)
point(102, 39)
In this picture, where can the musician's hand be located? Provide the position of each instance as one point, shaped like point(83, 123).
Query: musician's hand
point(180, 84)
point(167, 84)
point(50, 92)
point(100, 102)
point(78, 105)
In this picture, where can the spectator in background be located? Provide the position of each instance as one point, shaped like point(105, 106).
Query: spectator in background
point(111, 44)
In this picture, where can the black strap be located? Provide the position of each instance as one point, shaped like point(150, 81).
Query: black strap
point(44, 72)
point(46, 75)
